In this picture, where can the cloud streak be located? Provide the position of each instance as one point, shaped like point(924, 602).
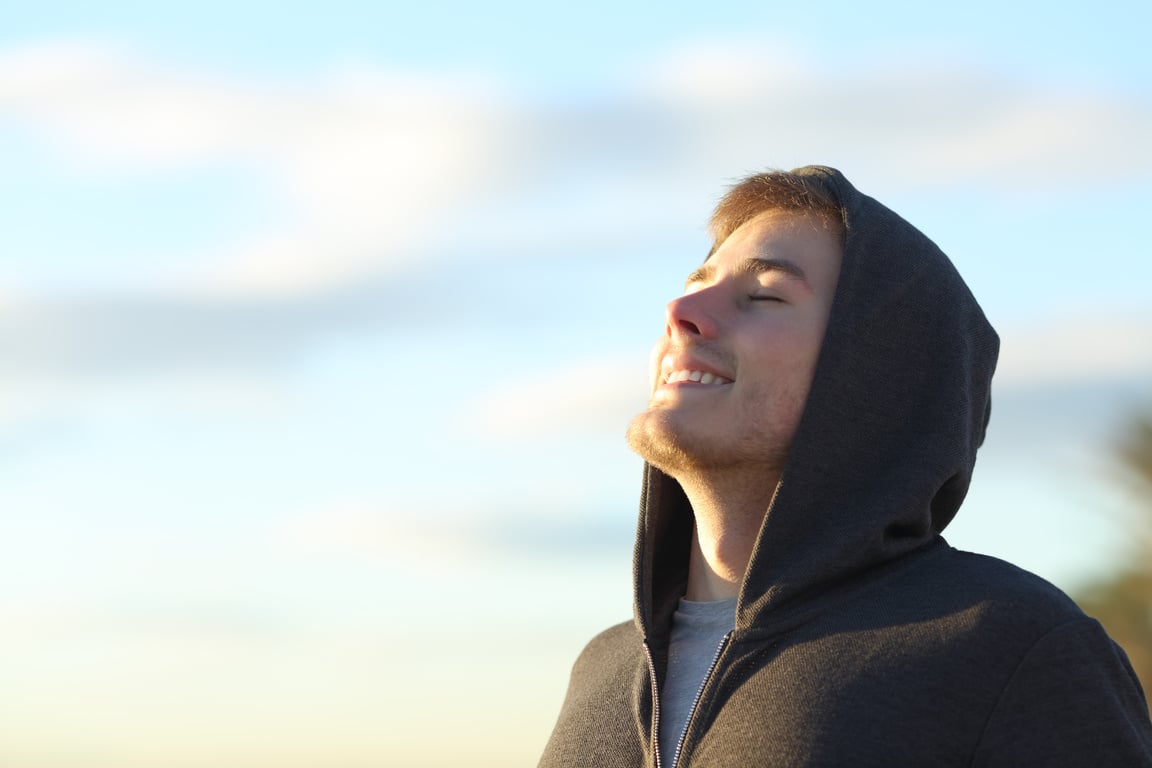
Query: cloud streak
point(361, 160)
point(399, 187)
point(401, 534)
point(941, 125)
point(590, 396)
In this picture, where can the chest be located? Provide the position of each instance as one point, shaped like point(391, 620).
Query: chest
point(862, 698)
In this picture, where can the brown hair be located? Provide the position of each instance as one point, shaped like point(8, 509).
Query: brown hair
point(772, 191)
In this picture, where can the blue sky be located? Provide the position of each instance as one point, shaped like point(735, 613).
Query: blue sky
point(320, 326)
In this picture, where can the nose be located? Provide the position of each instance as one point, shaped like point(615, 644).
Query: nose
point(692, 316)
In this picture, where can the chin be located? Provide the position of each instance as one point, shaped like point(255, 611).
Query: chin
point(662, 440)
point(654, 438)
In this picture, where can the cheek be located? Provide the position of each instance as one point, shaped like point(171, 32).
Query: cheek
point(785, 369)
point(772, 409)
point(803, 348)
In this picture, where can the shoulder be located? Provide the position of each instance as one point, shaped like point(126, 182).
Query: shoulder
point(1003, 591)
point(997, 575)
point(1072, 699)
point(615, 649)
point(981, 602)
point(607, 669)
point(595, 726)
point(1068, 694)
point(961, 612)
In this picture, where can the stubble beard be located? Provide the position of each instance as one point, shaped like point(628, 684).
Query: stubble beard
point(652, 438)
point(657, 437)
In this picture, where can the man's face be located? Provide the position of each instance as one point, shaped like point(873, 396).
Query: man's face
point(732, 371)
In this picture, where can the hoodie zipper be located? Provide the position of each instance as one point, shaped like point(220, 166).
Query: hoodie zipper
point(655, 704)
point(695, 701)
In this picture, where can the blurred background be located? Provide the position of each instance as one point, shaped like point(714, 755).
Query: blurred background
point(320, 325)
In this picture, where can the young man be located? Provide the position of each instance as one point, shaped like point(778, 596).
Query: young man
point(818, 397)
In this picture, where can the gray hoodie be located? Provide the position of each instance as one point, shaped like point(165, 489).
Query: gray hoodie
point(861, 637)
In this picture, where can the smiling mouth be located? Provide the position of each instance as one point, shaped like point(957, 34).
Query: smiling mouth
point(700, 377)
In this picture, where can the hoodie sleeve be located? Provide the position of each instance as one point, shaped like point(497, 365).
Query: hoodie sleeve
point(1073, 701)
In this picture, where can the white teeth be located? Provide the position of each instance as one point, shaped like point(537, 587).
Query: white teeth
point(702, 377)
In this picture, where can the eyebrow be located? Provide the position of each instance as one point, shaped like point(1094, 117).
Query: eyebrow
point(707, 272)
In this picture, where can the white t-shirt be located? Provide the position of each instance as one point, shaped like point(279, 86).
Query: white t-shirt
point(697, 629)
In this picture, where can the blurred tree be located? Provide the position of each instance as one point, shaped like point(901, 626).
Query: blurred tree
point(1123, 603)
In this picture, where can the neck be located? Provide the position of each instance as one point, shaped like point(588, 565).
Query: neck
point(729, 512)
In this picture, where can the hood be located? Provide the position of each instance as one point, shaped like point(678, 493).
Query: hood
point(884, 451)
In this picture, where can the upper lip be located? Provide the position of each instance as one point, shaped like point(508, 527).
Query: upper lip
point(681, 362)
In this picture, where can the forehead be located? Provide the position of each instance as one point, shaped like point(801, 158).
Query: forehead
point(804, 239)
point(779, 229)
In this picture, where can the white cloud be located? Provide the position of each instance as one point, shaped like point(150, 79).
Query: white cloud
point(654, 156)
point(371, 529)
point(746, 107)
point(399, 533)
point(1075, 349)
point(592, 396)
point(368, 164)
point(705, 74)
point(362, 160)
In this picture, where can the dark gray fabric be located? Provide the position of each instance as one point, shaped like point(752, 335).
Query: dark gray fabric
point(862, 638)
point(697, 629)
